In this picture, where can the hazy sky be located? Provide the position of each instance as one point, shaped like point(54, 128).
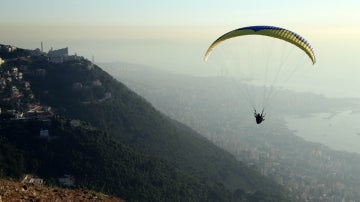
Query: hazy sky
point(175, 34)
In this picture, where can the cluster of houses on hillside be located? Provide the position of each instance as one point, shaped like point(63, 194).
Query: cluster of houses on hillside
point(12, 76)
point(17, 102)
point(41, 114)
point(14, 91)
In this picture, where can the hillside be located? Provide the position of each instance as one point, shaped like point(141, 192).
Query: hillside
point(96, 161)
point(77, 89)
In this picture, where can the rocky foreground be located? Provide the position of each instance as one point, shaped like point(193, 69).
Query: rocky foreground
point(15, 191)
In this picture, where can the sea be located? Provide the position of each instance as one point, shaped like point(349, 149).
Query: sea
point(337, 130)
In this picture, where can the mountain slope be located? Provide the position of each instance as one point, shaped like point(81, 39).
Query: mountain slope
point(131, 119)
point(97, 162)
point(79, 89)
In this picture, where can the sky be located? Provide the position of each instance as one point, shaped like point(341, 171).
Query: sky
point(174, 35)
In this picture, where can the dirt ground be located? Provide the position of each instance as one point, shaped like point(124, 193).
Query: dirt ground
point(14, 191)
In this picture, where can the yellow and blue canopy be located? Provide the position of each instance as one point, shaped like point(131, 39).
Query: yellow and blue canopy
point(269, 31)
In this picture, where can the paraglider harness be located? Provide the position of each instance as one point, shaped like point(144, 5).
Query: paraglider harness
point(259, 117)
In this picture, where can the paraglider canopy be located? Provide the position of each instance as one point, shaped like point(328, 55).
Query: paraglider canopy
point(269, 31)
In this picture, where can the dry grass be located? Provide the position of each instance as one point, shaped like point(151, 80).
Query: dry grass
point(15, 191)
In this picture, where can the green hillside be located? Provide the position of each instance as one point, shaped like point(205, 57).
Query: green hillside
point(97, 162)
point(78, 89)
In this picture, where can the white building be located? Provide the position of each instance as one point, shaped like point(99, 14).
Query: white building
point(75, 123)
point(29, 179)
point(58, 56)
point(44, 133)
point(67, 181)
point(58, 52)
point(2, 61)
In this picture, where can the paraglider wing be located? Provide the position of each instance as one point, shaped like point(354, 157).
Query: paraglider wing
point(269, 31)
